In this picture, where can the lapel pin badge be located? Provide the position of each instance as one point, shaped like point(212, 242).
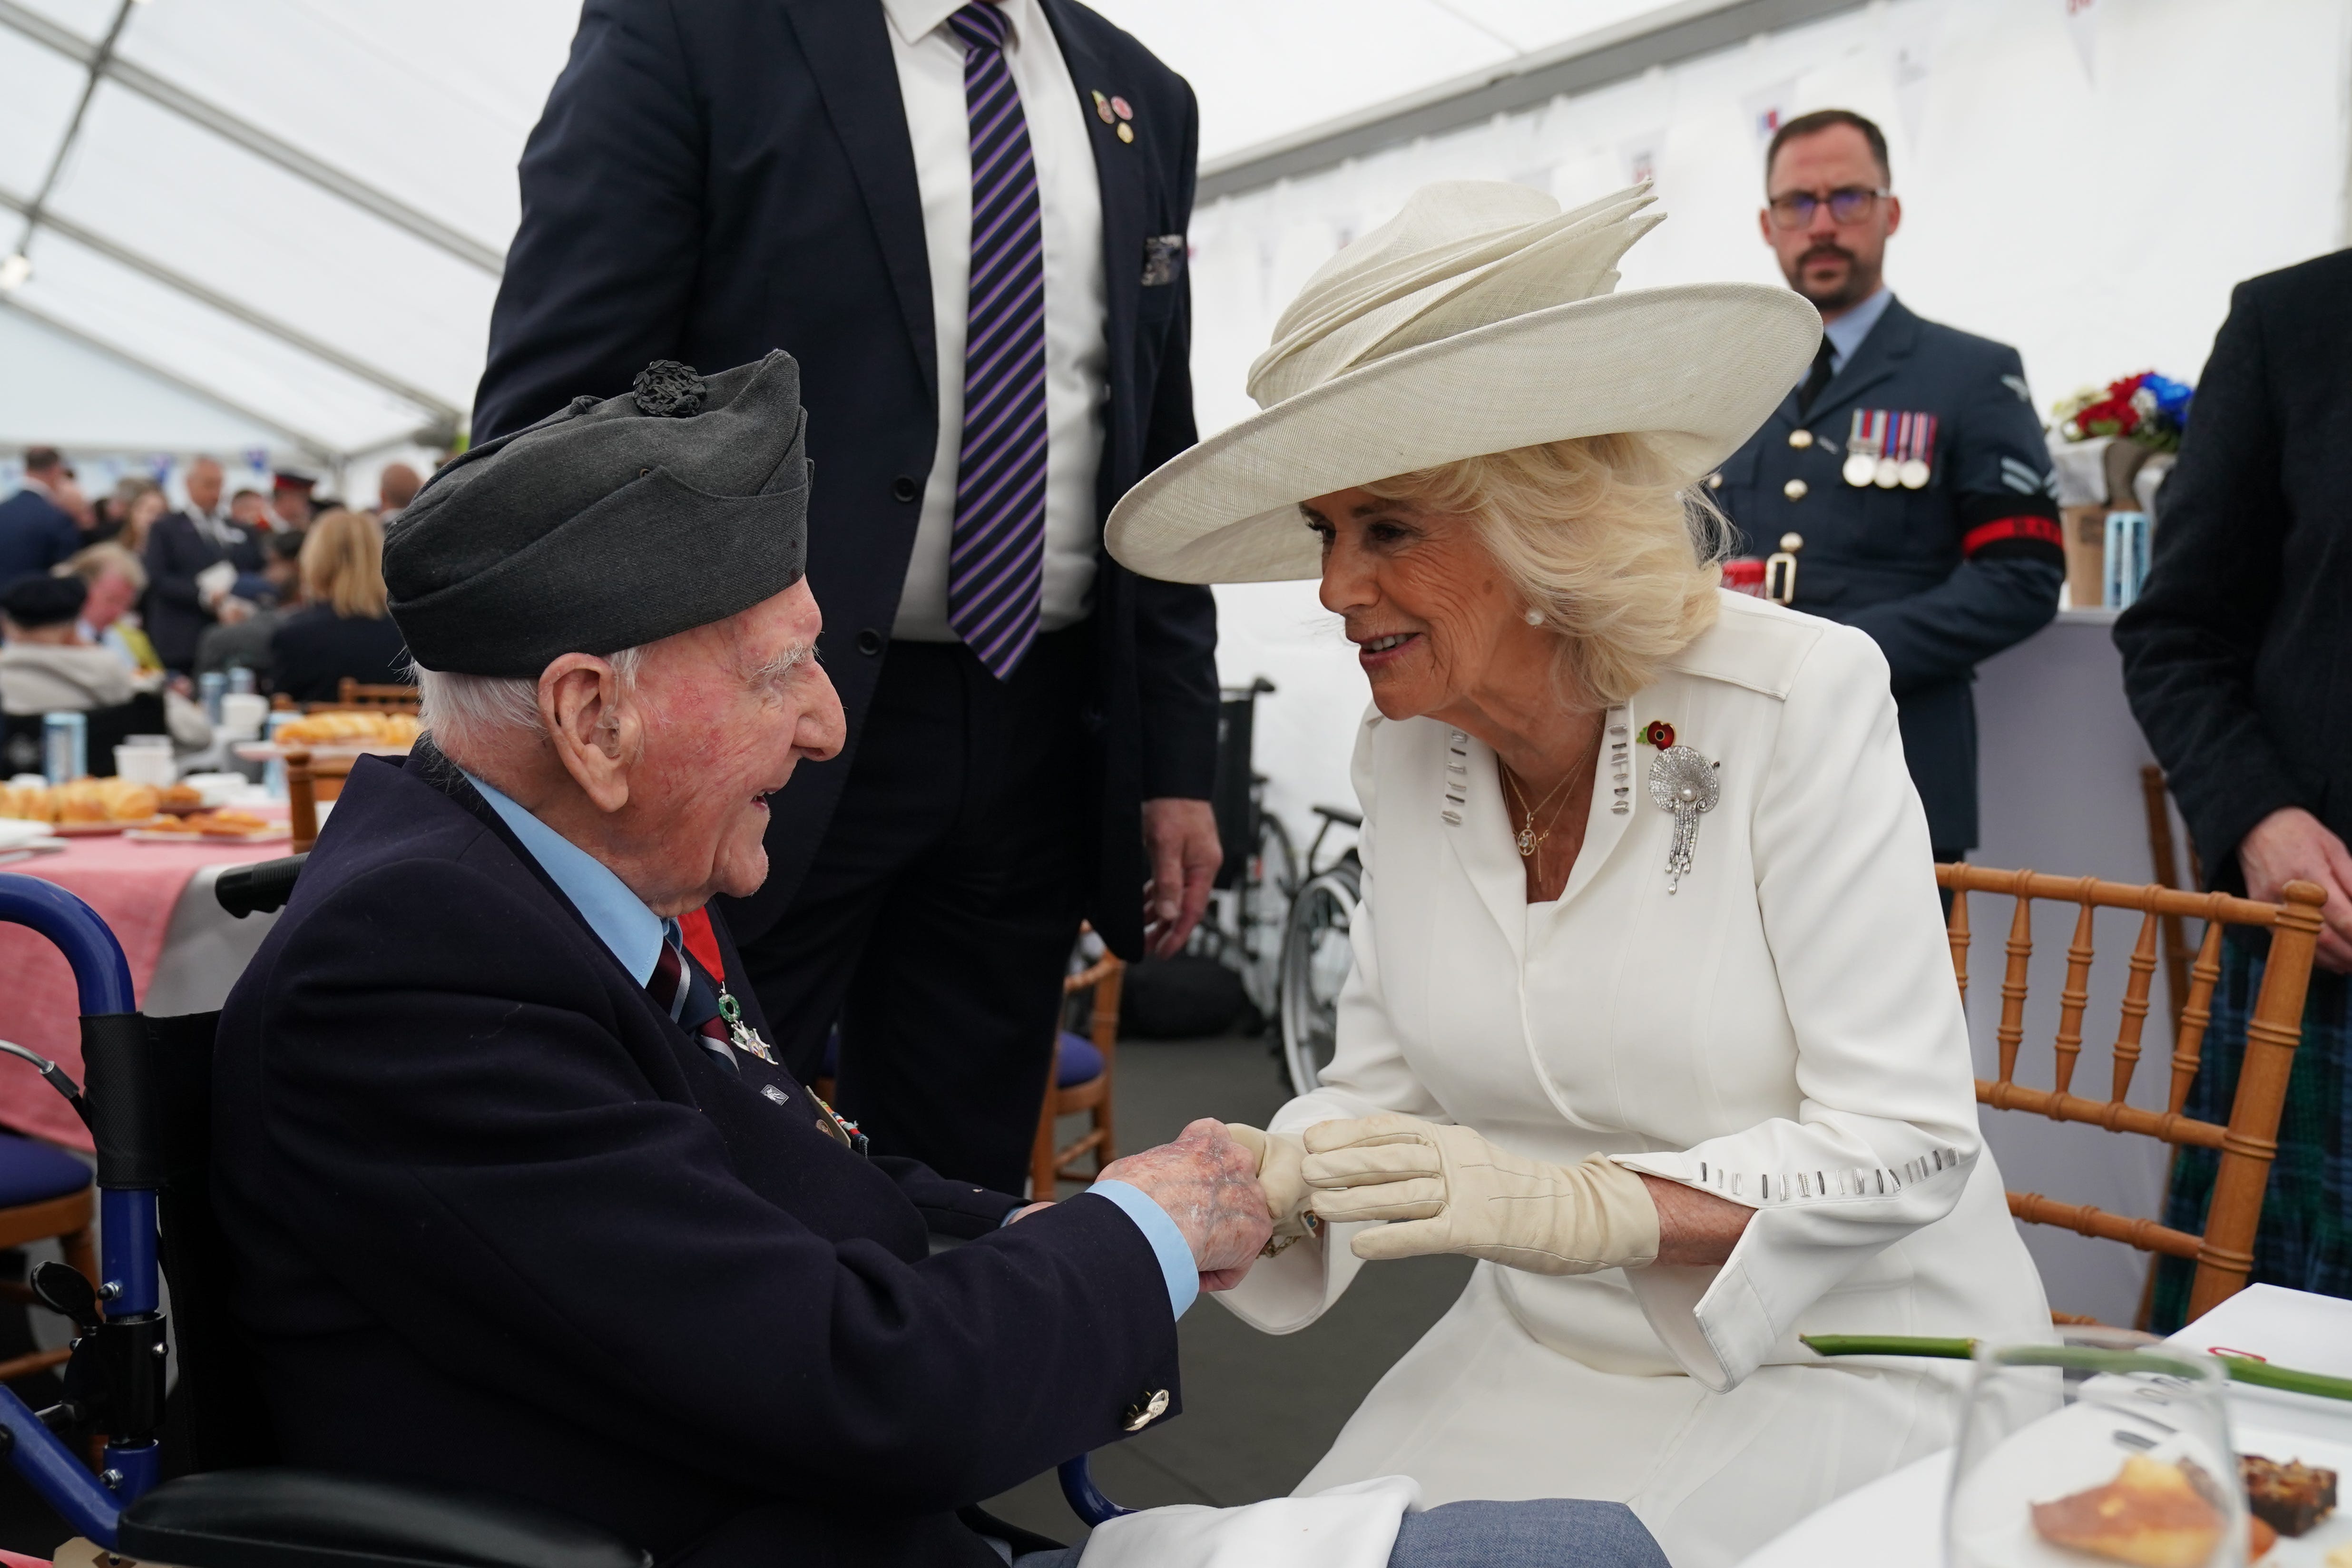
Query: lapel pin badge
point(1126, 132)
point(1102, 108)
point(1118, 106)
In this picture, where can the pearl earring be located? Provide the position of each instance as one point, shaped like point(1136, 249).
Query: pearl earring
point(1535, 617)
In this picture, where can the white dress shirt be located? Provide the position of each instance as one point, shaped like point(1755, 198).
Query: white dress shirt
point(930, 57)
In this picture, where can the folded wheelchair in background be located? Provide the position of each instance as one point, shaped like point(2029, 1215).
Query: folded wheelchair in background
point(225, 1504)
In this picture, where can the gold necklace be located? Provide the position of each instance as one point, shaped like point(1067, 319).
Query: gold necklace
point(1528, 840)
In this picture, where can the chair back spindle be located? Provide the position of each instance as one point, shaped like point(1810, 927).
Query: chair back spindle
point(2247, 1143)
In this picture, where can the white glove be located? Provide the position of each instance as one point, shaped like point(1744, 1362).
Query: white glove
point(1279, 1155)
point(1462, 1194)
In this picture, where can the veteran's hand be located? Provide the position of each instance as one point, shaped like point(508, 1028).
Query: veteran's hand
point(1458, 1192)
point(1208, 1185)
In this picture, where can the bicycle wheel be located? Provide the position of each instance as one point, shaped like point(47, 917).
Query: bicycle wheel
point(1265, 891)
point(1316, 958)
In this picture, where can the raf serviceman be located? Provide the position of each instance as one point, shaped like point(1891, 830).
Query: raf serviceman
point(1905, 487)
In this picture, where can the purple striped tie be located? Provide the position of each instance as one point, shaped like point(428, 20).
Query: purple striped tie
point(996, 563)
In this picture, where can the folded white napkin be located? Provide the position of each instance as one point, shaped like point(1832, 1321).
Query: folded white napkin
point(1353, 1526)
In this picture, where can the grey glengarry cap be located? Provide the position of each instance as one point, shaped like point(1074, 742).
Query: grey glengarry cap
point(614, 523)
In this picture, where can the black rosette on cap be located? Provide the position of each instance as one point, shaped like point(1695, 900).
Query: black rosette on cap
point(667, 389)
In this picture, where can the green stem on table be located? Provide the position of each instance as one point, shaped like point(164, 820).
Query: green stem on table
point(1887, 1344)
point(2242, 1369)
point(2261, 1374)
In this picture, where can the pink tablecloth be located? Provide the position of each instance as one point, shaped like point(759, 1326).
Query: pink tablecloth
point(135, 887)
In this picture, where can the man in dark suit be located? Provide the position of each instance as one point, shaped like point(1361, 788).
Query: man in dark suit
point(35, 533)
point(871, 184)
point(2234, 660)
point(181, 547)
point(522, 1199)
point(1908, 476)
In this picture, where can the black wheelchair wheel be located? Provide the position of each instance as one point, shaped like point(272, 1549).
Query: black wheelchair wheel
point(1316, 958)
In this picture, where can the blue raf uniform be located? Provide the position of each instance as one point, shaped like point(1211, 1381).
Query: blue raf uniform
point(1945, 552)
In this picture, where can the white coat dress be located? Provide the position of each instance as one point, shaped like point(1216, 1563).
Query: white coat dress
point(1782, 1031)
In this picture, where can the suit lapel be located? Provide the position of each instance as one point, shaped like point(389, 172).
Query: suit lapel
point(1881, 354)
point(1121, 172)
point(848, 50)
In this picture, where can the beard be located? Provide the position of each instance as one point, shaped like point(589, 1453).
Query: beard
point(1855, 286)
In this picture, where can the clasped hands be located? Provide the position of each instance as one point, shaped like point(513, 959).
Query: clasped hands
point(1447, 1189)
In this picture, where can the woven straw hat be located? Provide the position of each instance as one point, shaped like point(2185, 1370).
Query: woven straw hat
point(1479, 320)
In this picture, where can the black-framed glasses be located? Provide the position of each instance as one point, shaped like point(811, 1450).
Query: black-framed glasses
point(1847, 203)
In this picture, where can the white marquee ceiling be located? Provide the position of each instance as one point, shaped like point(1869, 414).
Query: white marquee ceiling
point(295, 209)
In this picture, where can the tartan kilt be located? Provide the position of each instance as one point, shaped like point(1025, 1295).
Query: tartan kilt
point(2305, 1239)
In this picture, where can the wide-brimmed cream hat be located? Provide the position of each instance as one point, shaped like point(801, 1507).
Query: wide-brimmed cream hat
point(1479, 320)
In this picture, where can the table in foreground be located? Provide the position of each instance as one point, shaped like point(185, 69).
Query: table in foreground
point(1898, 1521)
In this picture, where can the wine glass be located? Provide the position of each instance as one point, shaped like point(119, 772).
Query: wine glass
point(2073, 1453)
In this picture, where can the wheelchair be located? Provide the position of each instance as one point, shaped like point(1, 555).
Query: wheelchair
point(1316, 956)
point(190, 1480)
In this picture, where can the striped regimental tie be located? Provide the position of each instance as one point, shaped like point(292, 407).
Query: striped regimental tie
point(996, 561)
point(680, 988)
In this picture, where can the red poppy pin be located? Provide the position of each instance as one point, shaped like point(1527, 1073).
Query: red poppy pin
point(1659, 733)
point(1118, 106)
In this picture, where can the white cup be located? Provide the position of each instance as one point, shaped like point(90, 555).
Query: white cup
point(146, 765)
point(242, 713)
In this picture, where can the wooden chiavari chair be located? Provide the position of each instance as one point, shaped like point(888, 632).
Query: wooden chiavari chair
point(2246, 1143)
point(1071, 1088)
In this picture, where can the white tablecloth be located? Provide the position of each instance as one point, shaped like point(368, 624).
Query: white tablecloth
point(1896, 1521)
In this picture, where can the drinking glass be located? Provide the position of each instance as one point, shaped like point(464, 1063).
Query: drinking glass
point(2047, 1422)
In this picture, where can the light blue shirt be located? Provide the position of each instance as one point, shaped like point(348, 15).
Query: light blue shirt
point(1845, 333)
point(617, 916)
point(634, 933)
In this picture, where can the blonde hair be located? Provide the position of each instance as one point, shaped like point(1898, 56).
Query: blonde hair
point(343, 564)
point(93, 561)
point(1598, 537)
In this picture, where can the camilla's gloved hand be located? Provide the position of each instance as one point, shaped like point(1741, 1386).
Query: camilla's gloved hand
point(1279, 1155)
point(1459, 1194)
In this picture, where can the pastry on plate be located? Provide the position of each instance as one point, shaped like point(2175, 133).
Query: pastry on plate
point(2293, 1497)
point(2153, 1513)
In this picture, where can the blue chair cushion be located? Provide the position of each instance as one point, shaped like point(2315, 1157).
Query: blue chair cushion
point(1080, 1063)
point(33, 1173)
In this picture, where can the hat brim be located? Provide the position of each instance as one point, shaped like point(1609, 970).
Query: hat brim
point(1695, 368)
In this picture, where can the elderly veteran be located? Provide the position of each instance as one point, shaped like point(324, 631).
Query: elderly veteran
point(516, 1195)
point(1651, 1010)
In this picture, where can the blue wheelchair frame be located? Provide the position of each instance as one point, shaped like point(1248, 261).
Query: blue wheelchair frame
point(128, 1354)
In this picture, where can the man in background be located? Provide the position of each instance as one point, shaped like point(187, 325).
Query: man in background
point(186, 556)
point(114, 581)
point(967, 223)
point(2234, 660)
point(251, 508)
point(292, 504)
point(251, 616)
point(1907, 475)
point(394, 488)
point(37, 528)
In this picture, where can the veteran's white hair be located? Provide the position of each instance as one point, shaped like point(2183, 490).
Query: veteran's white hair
point(467, 712)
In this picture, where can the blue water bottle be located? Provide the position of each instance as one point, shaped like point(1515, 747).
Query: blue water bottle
point(65, 746)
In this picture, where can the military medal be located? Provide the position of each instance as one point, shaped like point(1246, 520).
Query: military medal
point(741, 1035)
point(1918, 451)
point(835, 1126)
point(1865, 438)
point(1683, 783)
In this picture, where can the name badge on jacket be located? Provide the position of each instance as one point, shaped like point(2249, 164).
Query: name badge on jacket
point(1163, 258)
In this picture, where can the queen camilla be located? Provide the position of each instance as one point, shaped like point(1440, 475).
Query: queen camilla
point(1651, 1010)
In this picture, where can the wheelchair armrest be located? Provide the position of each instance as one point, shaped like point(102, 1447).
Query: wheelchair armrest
point(305, 1519)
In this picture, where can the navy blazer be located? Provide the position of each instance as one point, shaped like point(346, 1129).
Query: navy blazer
point(177, 550)
point(495, 1222)
point(1942, 576)
point(710, 181)
point(36, 533)
point(2236, 653)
